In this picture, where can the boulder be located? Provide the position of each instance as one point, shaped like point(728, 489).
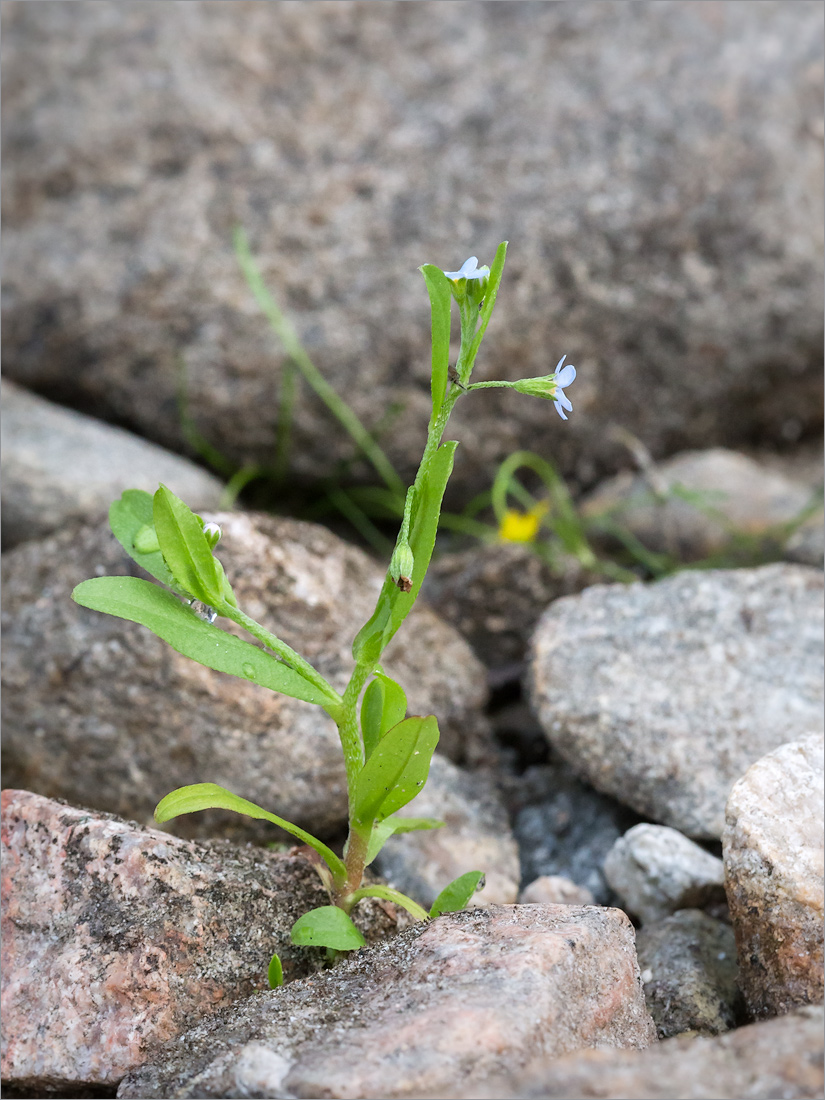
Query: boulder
point(775, 1058)
point(100, 711)
point(663, 695)
point(118, 938)
point(60, 466)
point(656, 168)
point(450, 1001)
point(773, 851)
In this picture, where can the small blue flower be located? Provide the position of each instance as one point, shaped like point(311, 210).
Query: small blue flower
point(469, 270)
point(563, 379)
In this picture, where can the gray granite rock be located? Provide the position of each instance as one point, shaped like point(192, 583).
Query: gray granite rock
point(565, 828)
point(696, 504)
point(656, 870)
point(60, 466)
point(773, 851)
point(442, 1003)
point(765, 1061)
point(688, 965)
point(118, 938)
point(101, 712)
point(656, 168)
point(476, 837)
point(663, 695)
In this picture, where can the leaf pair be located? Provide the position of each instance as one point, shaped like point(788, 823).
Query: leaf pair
point(177, 557)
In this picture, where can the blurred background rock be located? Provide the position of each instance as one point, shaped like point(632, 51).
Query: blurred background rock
point(656, 167)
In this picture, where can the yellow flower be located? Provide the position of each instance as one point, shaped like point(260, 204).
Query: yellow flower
point(522, 526)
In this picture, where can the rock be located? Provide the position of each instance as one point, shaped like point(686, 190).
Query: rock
point(564, 827)
point(443, 1002)
point(476, 837)
point(60, 466)
point(665, 233)
point(555, 890)
point(730, 495)
point(100, 711)
point(773, 851)
point(807, 544)
point(656, 870)
point(493, 596)
point(117, 938)
point(688, 965)
point(663, 695)
point(775, 1058)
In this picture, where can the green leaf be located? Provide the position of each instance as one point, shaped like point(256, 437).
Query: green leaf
point(185, 548)
point(129, 518)
point(384, 705)
point(396, 771)
point(490, 294)
point(209, 796)
point(327, 926)
point(142, 602)
point(454, 897)
point(394, 605)
point(275, 973)
point(383, 830)
point(438, 289)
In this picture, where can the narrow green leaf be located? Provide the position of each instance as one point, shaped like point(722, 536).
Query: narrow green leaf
point(386, 893)
point(438, 289)
point(490, 294)
point(128, 519)
point(327, 926)
point(383, 830)
point(142, 602)
point(396, 771)
point(275, 973)
point(453, 898)
point(185, 548)
point(209, 796)
point(384, 706)
point(394, 605)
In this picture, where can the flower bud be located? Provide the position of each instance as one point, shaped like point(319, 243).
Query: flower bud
point(213, 534)
point(401, 566)
point(146, 540)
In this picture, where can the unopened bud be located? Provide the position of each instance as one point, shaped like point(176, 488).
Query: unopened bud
point(146, 540)
point(401, 566)
point(213, 534)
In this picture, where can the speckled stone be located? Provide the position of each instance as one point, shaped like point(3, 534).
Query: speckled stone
point(555, 890)
point(688, 965)
point(60, 466)
point(765, 1061)
point(118, 938)
point(452, 1001)
point(773, 852)
point(663, 695)
point(476, 837)
point(656, 870)
point(739, 494)
point(101, 712)
point(657, 169)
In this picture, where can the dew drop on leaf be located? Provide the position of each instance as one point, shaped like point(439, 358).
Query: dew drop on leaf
point(248, 670)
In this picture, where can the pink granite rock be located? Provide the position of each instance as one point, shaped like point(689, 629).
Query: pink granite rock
point(766, 1061)
point(116, 938)
point(441, 1005)
point(773, 852)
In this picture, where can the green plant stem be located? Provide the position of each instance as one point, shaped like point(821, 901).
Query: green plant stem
point(388, 894)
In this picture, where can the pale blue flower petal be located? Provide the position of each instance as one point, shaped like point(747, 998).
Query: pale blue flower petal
point(559, 410)
point(565, 377)
point(563, 400)
point(558, 365)
point(466, 271)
